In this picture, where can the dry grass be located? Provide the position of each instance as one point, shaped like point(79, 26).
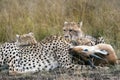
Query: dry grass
point(60, 74)
point(46, 17)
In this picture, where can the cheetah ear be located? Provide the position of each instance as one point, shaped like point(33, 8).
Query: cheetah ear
point(65, 22)
point(80, 24)
point(17, 36)
point(31, 33)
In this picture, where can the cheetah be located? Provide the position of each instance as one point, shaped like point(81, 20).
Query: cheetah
point(26, 39)
point(30, 39)
point(73, 31)
point(46, 55)
point(105, 51)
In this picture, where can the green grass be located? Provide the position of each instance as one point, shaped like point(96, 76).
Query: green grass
point(46, 17)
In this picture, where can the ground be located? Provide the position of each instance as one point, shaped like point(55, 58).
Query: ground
point(59, 74)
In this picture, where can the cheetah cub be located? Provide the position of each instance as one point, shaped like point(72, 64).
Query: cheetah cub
point(25, 39)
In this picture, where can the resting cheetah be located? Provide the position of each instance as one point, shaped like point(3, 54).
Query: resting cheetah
point(73, 31)
point(45, 55)
point(26, 39)
point(23, 40)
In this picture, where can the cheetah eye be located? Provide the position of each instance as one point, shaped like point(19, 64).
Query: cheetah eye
point(70, 30)
point(64, 30)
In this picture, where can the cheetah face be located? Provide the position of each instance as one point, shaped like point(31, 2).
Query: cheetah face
point(26, 39)
point(72, 30)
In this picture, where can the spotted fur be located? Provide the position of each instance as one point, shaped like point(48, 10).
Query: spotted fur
point(46, 55)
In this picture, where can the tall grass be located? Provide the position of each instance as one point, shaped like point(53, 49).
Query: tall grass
point(45, 17)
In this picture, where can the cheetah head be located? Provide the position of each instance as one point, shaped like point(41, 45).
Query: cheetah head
point(72, 30)
point(26, 39)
